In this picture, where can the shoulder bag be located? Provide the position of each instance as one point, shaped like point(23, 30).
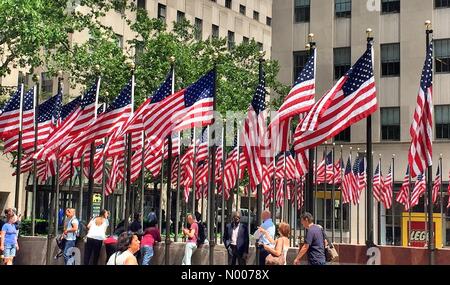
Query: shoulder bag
point(276, 260)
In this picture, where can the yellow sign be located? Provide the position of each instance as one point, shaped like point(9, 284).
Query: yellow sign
point(417, 229)
point(96, 198)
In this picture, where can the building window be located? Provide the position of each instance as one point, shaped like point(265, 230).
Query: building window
point(302, 11)
point(441, 3)
point(300, 60)
point(390, 6)
point(343, 8)
point(442, 55)
point(256, 15)
point(162, 12)
point(390, 124)
point(268, 21)
point(390, 60)
point(342, 61)
point(119, 41)
point(442, 114)
point(198, 29)
point(245, 40)
point(242, 9)
point(215, 31)
point(139, 51)
point(21, 79)
point(344, 136)
point(260, 46)
point(230, 40)
point(180, 16)
point(228, 4)
point(141, 4)
point(46, 82)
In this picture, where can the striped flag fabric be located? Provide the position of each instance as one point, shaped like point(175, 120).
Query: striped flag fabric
point(338, 166)
point(185, 109)
point(437, 185)
point(348, 184)
point(300, 99)
point(326, 166)
point(352, 99)
point(419, 189)
point(378, 184)
point(7, 122)
point(10, 115)
point(403, 196)
point(388, 190)
point(302, 161)
point(421, 150)
point(107, 123)
point(254, 128)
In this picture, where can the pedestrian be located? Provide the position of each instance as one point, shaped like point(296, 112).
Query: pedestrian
point(315, 243)
point(151, 236)
point(152, 216)
point(236, 240)
point(96, 235)
point(70, 233)
point(135, 226)
point(191, 243)
point(127, 246)
point(9, 233)
point(280, 245)
point(269, 226)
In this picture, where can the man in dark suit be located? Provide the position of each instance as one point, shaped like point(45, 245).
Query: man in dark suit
point(236, 240)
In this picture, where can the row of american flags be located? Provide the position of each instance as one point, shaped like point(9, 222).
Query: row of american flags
point(59, 138)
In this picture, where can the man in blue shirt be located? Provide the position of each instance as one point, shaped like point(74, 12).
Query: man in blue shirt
point(269, 226)
point(314, 242)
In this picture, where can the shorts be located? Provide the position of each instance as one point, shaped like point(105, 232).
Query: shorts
point(10, 251)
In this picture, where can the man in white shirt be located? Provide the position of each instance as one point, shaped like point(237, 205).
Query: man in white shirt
point(236, 241)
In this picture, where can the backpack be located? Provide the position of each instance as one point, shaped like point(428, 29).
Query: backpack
point(82, 230)
point(201, 234)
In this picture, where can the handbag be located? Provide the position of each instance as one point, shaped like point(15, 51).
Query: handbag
point(276, 260)
point(331, 253)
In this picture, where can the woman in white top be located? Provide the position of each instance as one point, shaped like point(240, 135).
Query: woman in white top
point(281, 244)
point(95, 237)
point(127, 246)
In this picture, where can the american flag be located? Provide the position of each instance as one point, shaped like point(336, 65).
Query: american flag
point(10, 115)
point(338, 166)
point(107, 123)
point(352, 99)
point(348, 184)
point(8, 122)
point(300, 99)
point(419, 189)
point(302, 160)
point(326, 167)
point(403, 195)
point(189, 107)
point(117, 174)
point(230, 173)
point(378, 184)
point(254, 127)
point(437, 185)
point(421, 131)
point(388, 190)
point(359, 172)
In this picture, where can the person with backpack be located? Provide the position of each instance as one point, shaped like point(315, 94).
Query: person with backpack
point(70, 233)
point(202, 233)
point(191, 243)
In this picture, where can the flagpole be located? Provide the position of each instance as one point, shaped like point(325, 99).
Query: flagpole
point(350, 203)
point(224, 157)
point(274, 183)
point(325, 188)
point(169, 177)
point(341, 206)
point(357, 202)
point(442, 201)
point(409, 207)
point(212, 188)
point(393, 199)
point(19, 150)
point(142, 180)
point(194, 173)
point(238, 165)
point(315, 188)
point(162, 184)
point(104, 176)
point(60, 86)
point(259, 194)
point(333, 194)
point(431, 241)
point(70, 182)
point(36, 79)
point(379, 206)
point(310, 199)
point(369, 206)
point(177, 211)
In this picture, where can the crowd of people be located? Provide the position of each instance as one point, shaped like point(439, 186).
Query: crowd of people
point(135, 245)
